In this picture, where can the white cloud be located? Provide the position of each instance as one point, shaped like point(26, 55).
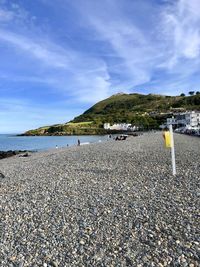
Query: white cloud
point(93, 88)
point(181, 22)
point(79, 75)
point(129, 44)
point(134, 50)
point(71, 72)
point(13, 14)
point(48, 54)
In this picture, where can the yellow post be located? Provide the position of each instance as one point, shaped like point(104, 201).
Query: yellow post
point(169, 143)
point(167, 137)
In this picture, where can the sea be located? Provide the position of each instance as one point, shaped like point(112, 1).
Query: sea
point(41, 143)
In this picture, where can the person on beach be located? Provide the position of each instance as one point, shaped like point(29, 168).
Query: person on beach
point(79, 142)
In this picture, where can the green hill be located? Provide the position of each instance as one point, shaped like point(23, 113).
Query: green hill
point(145, 111)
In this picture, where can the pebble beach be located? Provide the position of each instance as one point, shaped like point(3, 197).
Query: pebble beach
point(114, 203)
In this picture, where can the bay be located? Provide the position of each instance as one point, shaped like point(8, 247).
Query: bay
point(36, 143)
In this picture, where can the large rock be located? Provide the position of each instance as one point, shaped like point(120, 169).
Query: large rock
point(10, 153)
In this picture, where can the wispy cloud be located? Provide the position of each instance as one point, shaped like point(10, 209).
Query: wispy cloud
point(48, 55)
point(12, 14)
point(134, 48)
point(77, 74)
point(71, 72)
point(181, 22)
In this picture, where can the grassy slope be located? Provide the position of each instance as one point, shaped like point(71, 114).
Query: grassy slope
point(137, 108)
point(147, 110)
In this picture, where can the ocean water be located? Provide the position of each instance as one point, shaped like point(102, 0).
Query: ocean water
point(13, 142)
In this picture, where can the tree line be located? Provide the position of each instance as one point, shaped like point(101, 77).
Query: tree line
point(191, 93)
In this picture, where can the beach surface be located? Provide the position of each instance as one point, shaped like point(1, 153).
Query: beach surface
point(106, 204)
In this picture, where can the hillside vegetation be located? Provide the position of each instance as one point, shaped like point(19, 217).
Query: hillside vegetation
point(145, 111)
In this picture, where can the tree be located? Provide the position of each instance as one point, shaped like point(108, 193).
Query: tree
point(191, 93)
point(182, 94)
point(197, 92)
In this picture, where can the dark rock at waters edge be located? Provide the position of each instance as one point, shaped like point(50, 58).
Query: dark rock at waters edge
point(10, 153)
point(2, 175)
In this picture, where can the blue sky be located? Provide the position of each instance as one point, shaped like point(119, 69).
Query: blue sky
point(57, 58)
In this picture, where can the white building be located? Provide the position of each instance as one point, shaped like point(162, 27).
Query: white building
point(106, 126)
point(186, 119)
point(120, 126)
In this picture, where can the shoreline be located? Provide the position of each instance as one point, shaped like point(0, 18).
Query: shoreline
point(42, 143)
point(101, 139)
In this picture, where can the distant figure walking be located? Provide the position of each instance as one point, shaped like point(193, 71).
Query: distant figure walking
point(109, 137)
point(56, 147)
point(79, 142)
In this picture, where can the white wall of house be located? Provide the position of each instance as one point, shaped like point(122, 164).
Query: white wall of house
point(106, 126)
point(120, 126)
point(189, 119)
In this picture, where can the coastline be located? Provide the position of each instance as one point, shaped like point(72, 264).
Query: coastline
point(104, 203)
point(106, 132)
point(42, 143)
